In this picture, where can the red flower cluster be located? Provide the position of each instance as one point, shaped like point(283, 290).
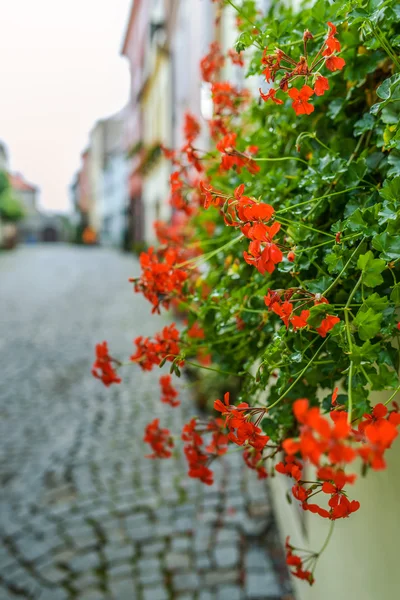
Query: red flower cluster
point(228, 100)
point(191, 128)
point(168, 393)
point(196, 457)
point(159, 439)
point(241, 430)
point(250, 216)
point(231, 157)
point(102, 366)
point(377, 431)
point(152, 352)
point(279, 303)
point(160, 282)
point(264, 255)
point(212, 63)
point(296, 562)
point(280, 61)
point(236, 57)
point(318, 437)
point(196, 332)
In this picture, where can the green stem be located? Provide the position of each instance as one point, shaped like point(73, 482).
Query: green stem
point(282, 158)
point(305, 135)
point(205, 257)
point(342, 271)
point(289, 222)
point(328, 537)
point(349, 237)
point(348, 333)
point(189, 362)
point(393, 395)
point(300, 375)
point(283, 210)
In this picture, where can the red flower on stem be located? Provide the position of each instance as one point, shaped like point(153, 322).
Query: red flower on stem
point(168, 393)
point(102, 367)
point(327, 324)
point(270, 95)
point(321, 85)
point(159, 439)
point(335, 63)
point(300, 99)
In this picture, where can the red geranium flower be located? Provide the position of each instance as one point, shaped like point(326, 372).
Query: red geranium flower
point(159, 439)
point(321, 85)
point(102, 367)
point(168, 392)
point(335, 63)
point(300, 100)
point(270, 95)
point(327, 324)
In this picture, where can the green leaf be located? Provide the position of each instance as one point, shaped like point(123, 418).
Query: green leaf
point(366, 353)
point(385, 379)
point(368, 323)
point(391, 190)
point(395, 294)
point(335, 107)
point(388, 87)
point(376, 302)
point(394, 160)
point(364, 124)
point(388, 245)
point(371, 269)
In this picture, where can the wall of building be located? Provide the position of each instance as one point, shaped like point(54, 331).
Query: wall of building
point(361, 559)
point(156, 105)
point(116, 199)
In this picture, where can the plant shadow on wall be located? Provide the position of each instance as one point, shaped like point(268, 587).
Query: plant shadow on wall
point(284, 254)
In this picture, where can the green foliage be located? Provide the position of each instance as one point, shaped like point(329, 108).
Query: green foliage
point(336, 192)
point(10, 208)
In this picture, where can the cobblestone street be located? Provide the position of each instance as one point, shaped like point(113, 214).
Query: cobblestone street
point(83, 514)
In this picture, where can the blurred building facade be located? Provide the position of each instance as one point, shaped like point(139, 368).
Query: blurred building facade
point(123, 184)
point(99, 190)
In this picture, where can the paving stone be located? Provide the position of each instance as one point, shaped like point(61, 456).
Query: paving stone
point(115, 553)
point(53, 594)
point(158, 592)
point(202, 562)
point(229, 592)
point(180, 543)
point(121, 570)
point(262, 585)
point(89, 579)
point(85, 562)
point(140, 534)
point(151, 577)
point(124, 589)
point(53, 574)
point(153, 548)
point(227, 535)
point(93, 595)
point(215, 577)
point(186, 581)
point(80, 502)
point(206, 595)
point(148, 564)
point(177, 562)
point(226, 556)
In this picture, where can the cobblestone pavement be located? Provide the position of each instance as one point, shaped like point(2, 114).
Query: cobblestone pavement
point(82, 513)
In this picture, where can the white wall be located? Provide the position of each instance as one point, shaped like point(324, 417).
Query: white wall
point(362, 558)
point(115, 200)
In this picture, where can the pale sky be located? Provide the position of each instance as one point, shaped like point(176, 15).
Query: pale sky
point(60, 71)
